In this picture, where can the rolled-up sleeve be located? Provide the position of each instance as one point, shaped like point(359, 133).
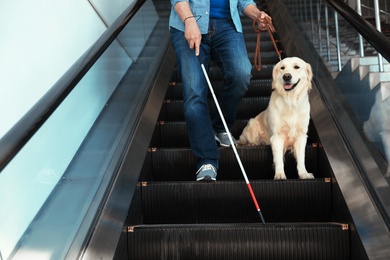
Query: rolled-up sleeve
point(242, 4)
point(174, 2)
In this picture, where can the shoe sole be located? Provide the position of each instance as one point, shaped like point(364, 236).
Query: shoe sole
point(206, 178)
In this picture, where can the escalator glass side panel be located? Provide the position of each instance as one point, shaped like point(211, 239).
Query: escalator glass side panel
point(52, 190)
point(351, 89)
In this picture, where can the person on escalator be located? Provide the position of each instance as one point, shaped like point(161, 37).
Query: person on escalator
point(213, 30)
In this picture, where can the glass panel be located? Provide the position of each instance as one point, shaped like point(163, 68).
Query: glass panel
point(40, 41)
point(109, 10)
point(61, 173)
point(365, 89)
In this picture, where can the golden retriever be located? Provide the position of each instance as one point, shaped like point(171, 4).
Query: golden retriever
point(284, 124)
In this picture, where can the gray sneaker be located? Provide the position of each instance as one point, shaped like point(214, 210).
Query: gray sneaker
point(223, 139)
point(206, 173)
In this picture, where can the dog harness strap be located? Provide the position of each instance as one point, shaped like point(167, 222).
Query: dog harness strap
point(271, 29)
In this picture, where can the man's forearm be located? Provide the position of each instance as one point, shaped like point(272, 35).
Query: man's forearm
point(252, 12)
point(183, 10)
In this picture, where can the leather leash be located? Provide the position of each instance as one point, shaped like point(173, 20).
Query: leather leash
point(271, 29)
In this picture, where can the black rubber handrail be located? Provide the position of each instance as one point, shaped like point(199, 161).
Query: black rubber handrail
point(379, 41)
point(28, 125)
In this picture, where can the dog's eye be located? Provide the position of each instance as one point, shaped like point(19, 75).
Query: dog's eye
point(296, 67)
point(282, 68)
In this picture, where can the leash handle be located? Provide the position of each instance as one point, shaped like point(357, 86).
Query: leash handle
point(269, 27)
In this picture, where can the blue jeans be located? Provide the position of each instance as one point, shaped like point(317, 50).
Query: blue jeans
point(226, 48)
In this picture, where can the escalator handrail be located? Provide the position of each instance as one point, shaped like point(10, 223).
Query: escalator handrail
point(379, 41)
point(14, 140)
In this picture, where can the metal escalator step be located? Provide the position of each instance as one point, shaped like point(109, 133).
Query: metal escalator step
point(230, 201)
point(174, 133)
point(171, 134)
point(248, 108)
point(251, 36)
point(215, 73)
point(264, 73)
point(258, 87)
point(179, 164)
point(265, 47)
point(172, 110)
point(269, 58)
point(239, 241)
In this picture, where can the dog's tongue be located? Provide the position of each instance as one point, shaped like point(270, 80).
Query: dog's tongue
point(288, 86)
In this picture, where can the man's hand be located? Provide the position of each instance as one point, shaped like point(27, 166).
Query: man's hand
point(192, 31)
point(263, 20)
point(192, 34)
point(260, 17)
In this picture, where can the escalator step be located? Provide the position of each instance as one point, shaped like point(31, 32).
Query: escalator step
point(230, 201)
point(172, 110)
point(258, 87)
point(239, 241)
point(214, 73)
point(174, 133)
point(251, 36)
point(179, 164)
point(266, 47)
point(267, 58)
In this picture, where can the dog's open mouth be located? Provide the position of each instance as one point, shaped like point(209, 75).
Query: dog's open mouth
point(289, 86)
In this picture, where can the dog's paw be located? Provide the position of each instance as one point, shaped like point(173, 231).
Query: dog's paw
point(280, 176)
point(306, 175)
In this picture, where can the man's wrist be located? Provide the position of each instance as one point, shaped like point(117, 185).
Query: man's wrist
point(188, 17)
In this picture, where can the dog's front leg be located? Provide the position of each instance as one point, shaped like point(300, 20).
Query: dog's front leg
point(277, 145)
point(299, 153)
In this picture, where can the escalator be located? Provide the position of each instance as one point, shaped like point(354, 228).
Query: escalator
point(173, 217)
point(128, 189)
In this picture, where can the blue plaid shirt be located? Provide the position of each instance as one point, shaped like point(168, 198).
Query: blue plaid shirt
point(201, 9)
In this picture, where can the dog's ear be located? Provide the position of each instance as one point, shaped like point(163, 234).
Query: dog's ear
point(274, 75)
point(275, 71)
point(309, 75)
point(309, 72)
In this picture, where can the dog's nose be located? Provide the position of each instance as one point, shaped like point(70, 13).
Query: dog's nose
point(287, 77)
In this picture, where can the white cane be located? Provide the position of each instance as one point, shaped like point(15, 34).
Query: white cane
point(231, 140)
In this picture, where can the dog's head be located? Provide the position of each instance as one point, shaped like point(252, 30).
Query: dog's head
point(292, 75)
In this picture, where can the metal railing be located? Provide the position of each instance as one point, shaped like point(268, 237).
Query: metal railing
point(365, 31)
point(381, 12)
